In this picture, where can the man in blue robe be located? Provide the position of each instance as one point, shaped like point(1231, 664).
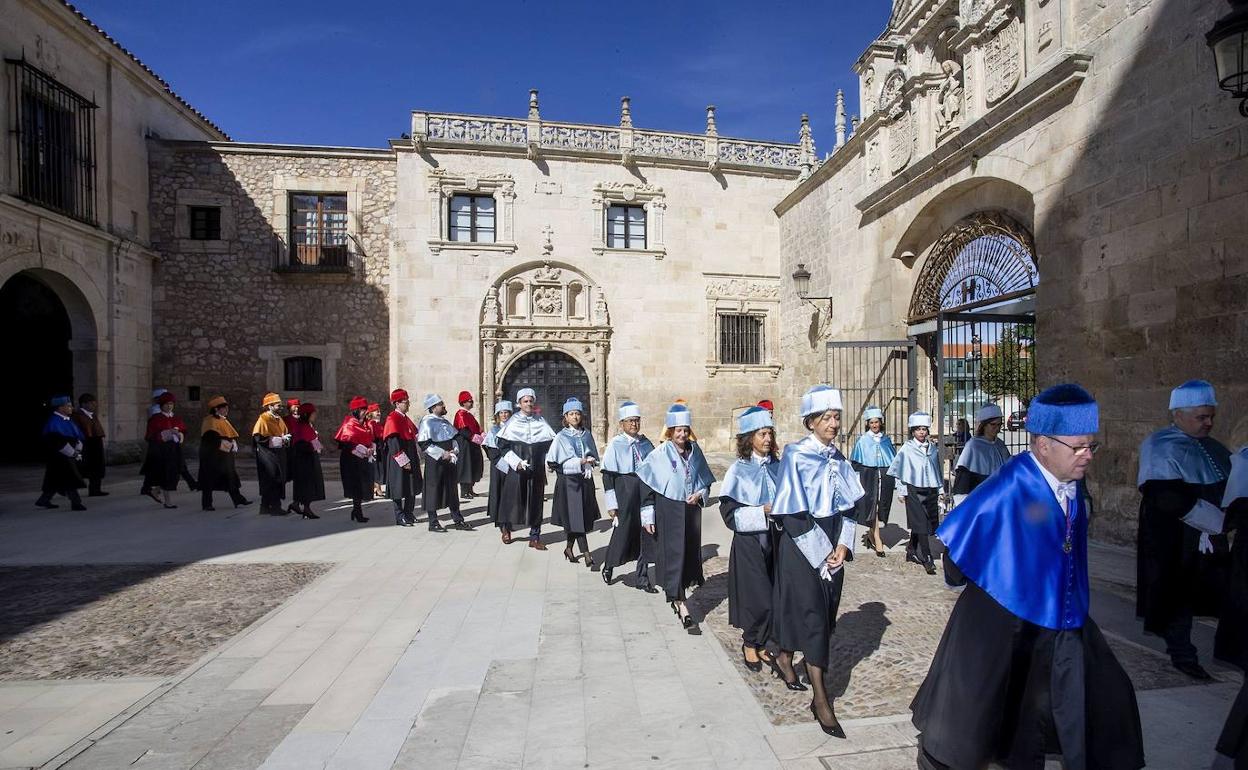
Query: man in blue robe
point(1022, 671)
point(62, 447)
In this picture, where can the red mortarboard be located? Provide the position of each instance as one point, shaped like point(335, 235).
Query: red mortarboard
point(359, 402)
point(465, 396)
point(398, 394)
point(766, 404)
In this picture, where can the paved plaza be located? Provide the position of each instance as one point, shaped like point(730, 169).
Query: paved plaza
point(185, 639)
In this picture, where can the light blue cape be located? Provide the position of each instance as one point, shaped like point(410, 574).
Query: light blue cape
point(750, 483)
point(618, 459)
point(664, 472)
point(572, 444)
point(1172, 455)
point(983, 456)
point(814, 482)
point(915, 467)
point(872, 453)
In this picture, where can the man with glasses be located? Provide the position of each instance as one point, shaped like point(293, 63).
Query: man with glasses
point(1182, 558)
point(1022, 671)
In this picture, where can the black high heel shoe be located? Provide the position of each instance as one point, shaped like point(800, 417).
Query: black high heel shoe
point(308, 514)
point(834, 729)
point(606, 575)
point(589, 561)
point(796, 685)
point(756, 666)
point(567, 554)
point(686, 620)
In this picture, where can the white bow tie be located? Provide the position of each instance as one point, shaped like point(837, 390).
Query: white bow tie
point(1067, 491)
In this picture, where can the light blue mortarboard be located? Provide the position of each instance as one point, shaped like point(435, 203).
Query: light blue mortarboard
point(573, 405)
point(1063, 410)
point(503, 406)
point(432, 400)
point(873, 413)
point(520, 394)
point(59, 401)
point(1192, 393)
point(752, 419)
point(677, 415)
point(919, 420)
point(629, 410)
point(819, 399)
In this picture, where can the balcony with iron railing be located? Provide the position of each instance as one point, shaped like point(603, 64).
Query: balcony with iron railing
point(536, 138)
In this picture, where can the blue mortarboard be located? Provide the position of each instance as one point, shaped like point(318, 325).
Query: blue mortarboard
point(752, 419)
point(629, 410)
point(59, 401)
point(573, 405)
point(432, 400)
point(1191, 394)
point(820, 399)
point(873, 413)
point(1063, 410)
point(679, 414)
point(503, 406)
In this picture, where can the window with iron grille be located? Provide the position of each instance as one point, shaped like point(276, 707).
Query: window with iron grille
point(54, 128)
point(471, 219)
point(318, 230)
point(303, 373)
point(740, 338)
point(205, 223)
point(626, 227)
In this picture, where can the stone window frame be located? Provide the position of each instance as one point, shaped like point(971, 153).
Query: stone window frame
point(739, 294)
point(286, 184)
point(444, 185)
point(184, 199)
point(649, 197)
point(274, 357)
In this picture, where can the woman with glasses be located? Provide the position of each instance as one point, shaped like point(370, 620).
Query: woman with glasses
point(917, 465)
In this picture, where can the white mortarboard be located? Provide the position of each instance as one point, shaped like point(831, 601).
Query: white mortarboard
point(1193, 393)
point(819, 399)
point(520, 394)
point(919, 420)
point(677, 415)
point(503, 406)
point(628, 410)
point(873, 413)
point(432, 400)
point(988, 412)
point(754, 418)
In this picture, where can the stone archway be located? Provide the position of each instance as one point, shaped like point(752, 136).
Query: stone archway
point(548, 306)
point(57, 347)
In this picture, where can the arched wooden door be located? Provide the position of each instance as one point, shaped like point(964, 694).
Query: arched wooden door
point(555, 377)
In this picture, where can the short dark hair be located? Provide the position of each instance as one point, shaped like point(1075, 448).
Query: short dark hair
point(745, 445)
point(85, 397)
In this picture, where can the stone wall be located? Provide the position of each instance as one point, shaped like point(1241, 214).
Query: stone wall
point(225, 317)
point(1131, 170)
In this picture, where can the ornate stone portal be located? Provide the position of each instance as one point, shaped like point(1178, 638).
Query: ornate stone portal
point(547, 305)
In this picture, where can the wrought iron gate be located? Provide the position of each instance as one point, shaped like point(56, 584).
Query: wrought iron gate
point(555, 377)
point(983, 358)
point(879, 373)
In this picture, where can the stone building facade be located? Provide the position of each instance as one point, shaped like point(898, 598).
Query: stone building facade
point(75, 252)
point(233, 309)
point(1096, 130)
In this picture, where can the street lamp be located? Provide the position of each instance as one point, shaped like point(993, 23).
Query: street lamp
point(801, 282)
point(1229, 42)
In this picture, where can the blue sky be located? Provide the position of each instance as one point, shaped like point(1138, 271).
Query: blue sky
point(345, 73)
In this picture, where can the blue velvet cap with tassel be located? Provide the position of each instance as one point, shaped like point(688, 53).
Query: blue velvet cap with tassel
point(1063, 410)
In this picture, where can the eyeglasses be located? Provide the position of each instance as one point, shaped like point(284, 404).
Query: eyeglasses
point(1090, 448)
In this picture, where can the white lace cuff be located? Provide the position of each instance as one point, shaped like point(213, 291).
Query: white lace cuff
point(750, 518)
point(647, 515)
point(814, 545)
point(609, 494)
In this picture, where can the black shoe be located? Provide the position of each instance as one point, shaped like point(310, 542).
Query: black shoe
point(756, 666)
point(97, 493)
point(834, 729)
point(77, 507)
point(606, 575)
point(929, 567)
point(435, 525)
point(647, 588)
point(912, 559)
point(207, 508)
point(1193, 669)
point(46, 504)
point(567, 554)
point(796, 685)
point(463, 526)
point(244, 501)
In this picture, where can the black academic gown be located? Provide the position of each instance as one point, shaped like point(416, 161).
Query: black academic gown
point(678, 532)
point(492, 456)
point(1231, 642)
point(575, 506)
point(629, 542)
point(804, 605)
point(271, 470)
point(307, 481)
point(877, 503)
point(217, 469)
point(402, 485)
point(1007, 680)
point(1172, 577)
point(440, 482)
point(749, 577)
point(60, 473)
point(524, 491)
point(470, 467)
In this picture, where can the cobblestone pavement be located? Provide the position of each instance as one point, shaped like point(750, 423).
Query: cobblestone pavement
point(892, 617)
point(109, 621)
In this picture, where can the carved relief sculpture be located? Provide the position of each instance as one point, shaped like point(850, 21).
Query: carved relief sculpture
point(1002, 62)
point(949, 98)
point(548, 300)
point(902, 135)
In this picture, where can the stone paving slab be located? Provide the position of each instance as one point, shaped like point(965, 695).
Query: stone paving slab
point(64, 622)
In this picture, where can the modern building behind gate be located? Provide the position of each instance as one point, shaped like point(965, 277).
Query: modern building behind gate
point(1032, 190)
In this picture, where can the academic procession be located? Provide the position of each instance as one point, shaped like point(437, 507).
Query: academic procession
point(1021, 673)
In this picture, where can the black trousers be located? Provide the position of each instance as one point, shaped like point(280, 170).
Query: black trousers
point(403, 510)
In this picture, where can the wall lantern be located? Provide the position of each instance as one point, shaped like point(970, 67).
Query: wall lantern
point(801, 282)
point(1229, 41)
